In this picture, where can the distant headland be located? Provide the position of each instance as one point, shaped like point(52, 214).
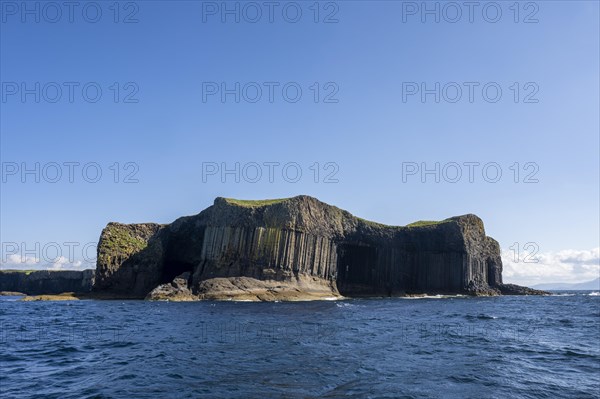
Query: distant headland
point(286, 249)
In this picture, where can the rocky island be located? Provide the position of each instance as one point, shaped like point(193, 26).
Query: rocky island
point(287, 249)
point(296, 249)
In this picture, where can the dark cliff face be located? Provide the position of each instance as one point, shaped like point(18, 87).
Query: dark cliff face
point(120, 246)
point(284, 240)
point(46, 281)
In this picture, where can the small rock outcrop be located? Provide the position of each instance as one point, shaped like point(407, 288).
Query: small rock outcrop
point(293, 249)
point(177, 290)
point(513, 289)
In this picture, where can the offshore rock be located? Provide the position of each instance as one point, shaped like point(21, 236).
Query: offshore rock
point(296, 249)
point(513, 289)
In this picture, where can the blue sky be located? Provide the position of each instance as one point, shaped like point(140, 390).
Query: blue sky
point(365, 125)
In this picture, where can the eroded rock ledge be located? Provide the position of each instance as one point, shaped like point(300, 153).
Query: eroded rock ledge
point(296, 249)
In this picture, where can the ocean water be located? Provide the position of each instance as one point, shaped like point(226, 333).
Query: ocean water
point(460, 347)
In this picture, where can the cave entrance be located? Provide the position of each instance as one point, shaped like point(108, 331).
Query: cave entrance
point(356, 268)
point(172, 269)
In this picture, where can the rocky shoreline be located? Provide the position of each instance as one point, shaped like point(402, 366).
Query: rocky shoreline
point(245, 289)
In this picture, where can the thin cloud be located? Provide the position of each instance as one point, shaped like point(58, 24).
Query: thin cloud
point(19, 262)
point(566, 266)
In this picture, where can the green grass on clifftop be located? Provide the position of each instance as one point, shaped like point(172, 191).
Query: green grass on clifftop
point(254, 203)
point(422, 223)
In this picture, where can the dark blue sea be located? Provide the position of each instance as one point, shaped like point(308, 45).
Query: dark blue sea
point(460, 347)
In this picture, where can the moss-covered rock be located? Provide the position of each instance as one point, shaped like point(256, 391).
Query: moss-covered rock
point(118, 244)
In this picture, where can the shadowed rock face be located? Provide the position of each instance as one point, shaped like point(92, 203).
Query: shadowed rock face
point(305, 245)
point(46, 281)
